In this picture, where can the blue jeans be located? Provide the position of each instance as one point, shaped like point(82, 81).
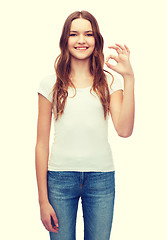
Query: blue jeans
point(97, 192)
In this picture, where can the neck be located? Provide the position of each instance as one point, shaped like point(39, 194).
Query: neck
point(80, 69)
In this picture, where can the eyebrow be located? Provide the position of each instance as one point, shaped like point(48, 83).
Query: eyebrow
point(85, 31)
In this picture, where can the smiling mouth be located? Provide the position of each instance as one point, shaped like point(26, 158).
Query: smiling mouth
point(81, 48)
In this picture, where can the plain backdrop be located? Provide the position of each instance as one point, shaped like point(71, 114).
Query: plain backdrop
point(30, 32)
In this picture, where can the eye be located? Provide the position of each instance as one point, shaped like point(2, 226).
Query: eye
point(73, 34)
point(89, 34)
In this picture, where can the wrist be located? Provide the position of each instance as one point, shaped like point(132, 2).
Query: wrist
point(43, 201)
point(130, 77)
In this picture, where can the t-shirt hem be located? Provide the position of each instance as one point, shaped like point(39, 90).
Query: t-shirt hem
point(81, 170)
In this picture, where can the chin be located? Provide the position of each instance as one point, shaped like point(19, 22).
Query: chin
point(81, 56)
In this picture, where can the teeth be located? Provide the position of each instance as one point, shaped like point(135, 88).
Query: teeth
point(81, 48)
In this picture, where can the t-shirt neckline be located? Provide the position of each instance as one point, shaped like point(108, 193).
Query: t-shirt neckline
point(82, 88)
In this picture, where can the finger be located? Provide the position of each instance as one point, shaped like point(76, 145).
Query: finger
point(112, 57)
point(127, 49)
point(49, 227)
point(55, 220)
point(109, 65)
point(116, 48)
point(121, 47)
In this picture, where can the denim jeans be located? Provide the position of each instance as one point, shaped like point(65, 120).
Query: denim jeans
point(97, 192)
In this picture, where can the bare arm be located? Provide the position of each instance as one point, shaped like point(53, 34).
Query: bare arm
point(41, 161)
point(42, 146)
point(122, 106)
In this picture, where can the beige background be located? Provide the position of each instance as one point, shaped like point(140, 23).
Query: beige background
point(30, 32)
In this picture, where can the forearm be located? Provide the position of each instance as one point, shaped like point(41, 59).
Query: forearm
point(41, 163)
point(126, 118)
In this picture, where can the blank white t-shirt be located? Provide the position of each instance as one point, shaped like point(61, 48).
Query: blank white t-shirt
point(81, 133)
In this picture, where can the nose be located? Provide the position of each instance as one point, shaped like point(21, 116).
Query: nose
point(81, 39)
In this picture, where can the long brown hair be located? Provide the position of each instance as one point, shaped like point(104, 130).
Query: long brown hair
point(62, 67)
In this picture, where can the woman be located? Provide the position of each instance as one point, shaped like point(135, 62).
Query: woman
point(81, 95)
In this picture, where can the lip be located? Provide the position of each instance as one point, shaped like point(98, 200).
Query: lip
point(81, 48)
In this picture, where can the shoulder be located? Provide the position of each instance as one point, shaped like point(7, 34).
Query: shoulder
point(115, 82)
point(48, 81)
point(46, 86)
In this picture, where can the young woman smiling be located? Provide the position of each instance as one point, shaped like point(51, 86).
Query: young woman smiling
point(81, 95)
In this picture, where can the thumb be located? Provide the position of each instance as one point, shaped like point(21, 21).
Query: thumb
point(55, 220)
point(111, 56)
point(109, 65)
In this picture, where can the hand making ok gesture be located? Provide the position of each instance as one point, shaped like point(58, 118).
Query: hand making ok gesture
point(123, 65)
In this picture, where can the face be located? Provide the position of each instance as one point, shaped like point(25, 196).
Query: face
point(81, 42)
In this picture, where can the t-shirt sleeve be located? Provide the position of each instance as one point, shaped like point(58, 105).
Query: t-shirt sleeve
point(114, 84)
point(46, 86)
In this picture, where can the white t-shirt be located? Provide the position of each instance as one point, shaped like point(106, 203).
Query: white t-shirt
point(81, 133)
